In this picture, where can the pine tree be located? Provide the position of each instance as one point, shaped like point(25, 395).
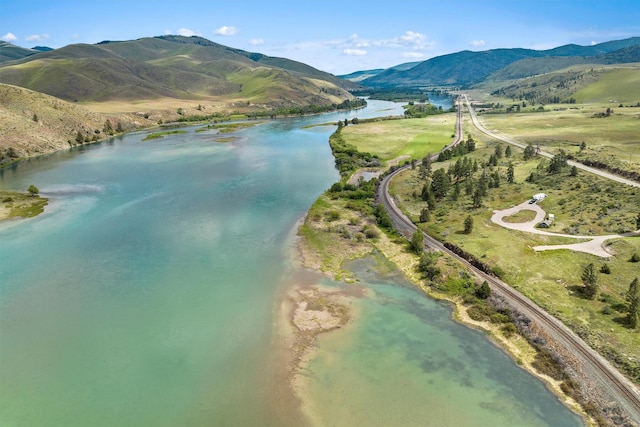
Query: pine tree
point(590, 281)
point(425, 215)
point(510, 173)
point(507, 151)
point(633, 297)
point(484, 291)
point(468, 225)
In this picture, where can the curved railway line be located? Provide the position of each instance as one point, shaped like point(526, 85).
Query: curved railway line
point(613, 384)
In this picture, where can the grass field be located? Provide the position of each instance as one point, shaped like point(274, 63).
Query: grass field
point(612, 139)
point(408, 138)
point(584, 204)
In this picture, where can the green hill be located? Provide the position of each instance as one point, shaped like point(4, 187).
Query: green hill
point(534, 66)
point(188, 68)
point(34, 123)
point(9, 52)
point(467, 68)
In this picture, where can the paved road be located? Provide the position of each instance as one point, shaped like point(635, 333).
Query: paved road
point(508, 140)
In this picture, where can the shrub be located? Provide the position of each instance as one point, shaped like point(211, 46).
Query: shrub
point(333, 216)
point(371, 233)
point(635, 257)
point(509, 329)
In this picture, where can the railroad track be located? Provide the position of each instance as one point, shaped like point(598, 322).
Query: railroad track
point(612, 383)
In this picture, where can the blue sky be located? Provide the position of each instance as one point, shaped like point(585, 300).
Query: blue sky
point(335, 36)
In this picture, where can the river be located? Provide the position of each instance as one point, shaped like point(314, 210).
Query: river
point(144, 296)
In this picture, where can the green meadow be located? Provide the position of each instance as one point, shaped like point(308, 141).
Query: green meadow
point(583, 204)
point(402, 139)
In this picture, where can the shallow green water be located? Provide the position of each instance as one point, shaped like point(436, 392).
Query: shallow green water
point(144, 295)
point(403, 362)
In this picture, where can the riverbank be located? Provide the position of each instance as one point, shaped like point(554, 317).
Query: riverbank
point(317, 241)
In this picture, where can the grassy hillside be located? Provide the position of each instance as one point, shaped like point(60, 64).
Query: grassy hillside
point(466, 68)
point(10, 52)
point(174, 67)
point(620, 85)
point(34, 123)
point(578, 83)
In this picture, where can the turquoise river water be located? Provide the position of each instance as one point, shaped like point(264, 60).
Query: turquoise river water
point(145, 296)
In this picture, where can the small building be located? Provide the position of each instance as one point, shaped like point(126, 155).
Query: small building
point(539, 197)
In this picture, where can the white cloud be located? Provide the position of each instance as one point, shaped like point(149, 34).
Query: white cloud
point(188, 33)
point(593, 42)
point(37, 37)
point(411, 39)
point(226, 31)
point(413, 55)
point(9, 37)
point(477, 43)
point(354, 52)
point(256, 42)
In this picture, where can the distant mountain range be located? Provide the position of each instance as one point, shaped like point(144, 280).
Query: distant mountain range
point(467, 68)
point(168, 67)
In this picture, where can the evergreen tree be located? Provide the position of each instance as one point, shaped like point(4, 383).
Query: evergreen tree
point(498, 151)
point(119, 128)
point(590, 281)
point(483, 183)
point(495, 179)
point(633, 297)
point(510, 173)
point(440, 183)
point(529, 152)
point(507, 151)
point(79, 138)
point(468, 225)
point(484, 291)
point(477, 198)
point(471, 144)
point(425, 215)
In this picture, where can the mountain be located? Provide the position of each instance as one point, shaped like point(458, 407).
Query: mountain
point(358, 76)
point(176, 67)
point(466, 68)
point(534, 66)
point(10, 52)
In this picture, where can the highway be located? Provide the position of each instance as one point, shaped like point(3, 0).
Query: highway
point(613, 384)
point(599, 172)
